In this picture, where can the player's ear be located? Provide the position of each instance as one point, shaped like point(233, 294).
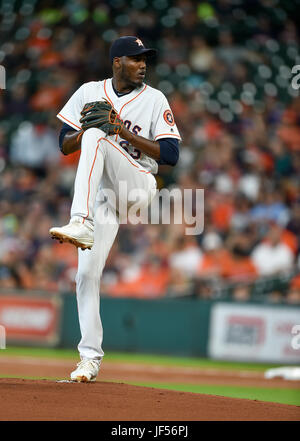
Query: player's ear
point(117, 62)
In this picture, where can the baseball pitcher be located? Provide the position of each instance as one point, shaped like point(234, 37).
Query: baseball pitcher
point(124, 128)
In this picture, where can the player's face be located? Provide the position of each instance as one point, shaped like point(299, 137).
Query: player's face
point(133, 70)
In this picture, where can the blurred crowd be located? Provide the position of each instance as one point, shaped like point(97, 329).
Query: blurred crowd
point(225, 67)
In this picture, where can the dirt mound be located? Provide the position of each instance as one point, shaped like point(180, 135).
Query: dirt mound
point(36, 400)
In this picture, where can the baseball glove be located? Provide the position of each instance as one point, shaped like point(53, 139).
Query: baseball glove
point(102, 115)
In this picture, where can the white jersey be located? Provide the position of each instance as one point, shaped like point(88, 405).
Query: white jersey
point(145, 111)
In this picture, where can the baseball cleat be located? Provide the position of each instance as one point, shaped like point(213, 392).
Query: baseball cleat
point(75, 233)
point(86, 371)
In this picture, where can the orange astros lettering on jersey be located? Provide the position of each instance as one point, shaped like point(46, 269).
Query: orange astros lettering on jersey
point(168, 117)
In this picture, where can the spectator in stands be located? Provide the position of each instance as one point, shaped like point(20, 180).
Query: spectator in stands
point(241, 293)
point(204, 289)
point(201, 57)
point(34, 146)
point(185, 256)
point(275, 297)
point(150, 281)
point(238, 265)
point(271, 208)
point(271, 256)
point(214, 253)
point(229, 52)
point(293, 296)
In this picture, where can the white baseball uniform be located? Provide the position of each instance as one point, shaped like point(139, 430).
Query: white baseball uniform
point(104, 162)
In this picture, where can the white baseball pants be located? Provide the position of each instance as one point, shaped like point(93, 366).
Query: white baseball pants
point(102, 162)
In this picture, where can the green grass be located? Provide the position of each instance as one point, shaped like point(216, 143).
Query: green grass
point(284, 396)
point(118, 357)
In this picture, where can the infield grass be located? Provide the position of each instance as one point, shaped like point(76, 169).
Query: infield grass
point(283, 396)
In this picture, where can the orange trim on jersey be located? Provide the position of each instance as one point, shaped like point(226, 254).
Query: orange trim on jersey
point(69, 121)
point(132, 99)
point(79, 136)
point(106, 93)
point(128, 103)
point(170, 135)
point(89, 183)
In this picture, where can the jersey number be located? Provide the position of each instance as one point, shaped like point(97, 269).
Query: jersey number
point(135, 153)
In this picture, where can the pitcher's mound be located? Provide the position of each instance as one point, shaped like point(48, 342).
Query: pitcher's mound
point(102, 401)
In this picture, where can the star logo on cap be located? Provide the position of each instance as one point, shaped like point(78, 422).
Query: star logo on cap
point(139, 42)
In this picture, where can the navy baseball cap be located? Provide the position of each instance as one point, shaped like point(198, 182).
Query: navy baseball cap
point(129, 46)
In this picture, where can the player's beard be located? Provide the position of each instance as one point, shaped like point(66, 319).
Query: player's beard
point(126, 77)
